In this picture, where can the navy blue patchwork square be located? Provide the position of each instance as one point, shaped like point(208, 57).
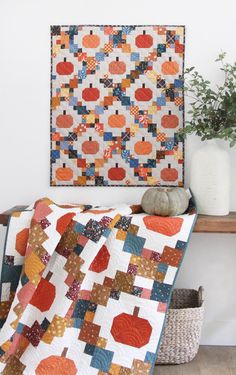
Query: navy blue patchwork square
point(162, 267)
point(133, 244)
point(80, 309)
point(123, 223)
point(93, 230)
point(89, 349)
point(102, 359)
point(160, 292)
point(181, 245)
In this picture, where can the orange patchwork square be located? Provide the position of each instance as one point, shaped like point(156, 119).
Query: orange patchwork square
point(89, 332)
point(123, 282)
point(147, 268)
point(100, 294)
point(171, 256)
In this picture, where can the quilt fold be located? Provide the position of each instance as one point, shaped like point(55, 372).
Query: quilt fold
point(85, 290)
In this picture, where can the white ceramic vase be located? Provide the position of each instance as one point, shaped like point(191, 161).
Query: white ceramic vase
point(210, 179)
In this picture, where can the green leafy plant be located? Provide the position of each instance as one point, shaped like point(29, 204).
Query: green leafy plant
point(212, 112)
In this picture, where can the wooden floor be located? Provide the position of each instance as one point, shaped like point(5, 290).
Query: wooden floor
point(211, 360)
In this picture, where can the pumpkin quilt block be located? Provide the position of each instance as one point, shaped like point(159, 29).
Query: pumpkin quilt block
point(117, 105)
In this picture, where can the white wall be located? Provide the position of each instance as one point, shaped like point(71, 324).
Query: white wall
point(24, 120)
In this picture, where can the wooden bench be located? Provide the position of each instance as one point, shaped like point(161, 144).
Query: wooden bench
point(204, 223)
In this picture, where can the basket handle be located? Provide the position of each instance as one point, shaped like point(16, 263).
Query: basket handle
point(200, 296)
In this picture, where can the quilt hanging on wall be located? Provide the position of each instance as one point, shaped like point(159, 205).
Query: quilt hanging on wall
point(116, 105)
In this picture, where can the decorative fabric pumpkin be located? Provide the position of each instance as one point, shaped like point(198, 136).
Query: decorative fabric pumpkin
point(116, 120)
point(64, 173)
point(117, 173)
point(55, 365)
point(117, 67)
point(90, 147)
point(143, 94)
point(21, 241)
point(65, 68)
point(170, 67)
point(169, 121)
point(64, 121)
point(90, 94)
point(101, 260)
point(131, 330)
point(165, 201)
point(91, 40)
point(168, 226)
point(143, 147)
point(44, 287)
point(169, 174)
point(144, 40)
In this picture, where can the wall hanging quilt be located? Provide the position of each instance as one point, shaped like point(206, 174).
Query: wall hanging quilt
point(93, 291)
point(116, 105)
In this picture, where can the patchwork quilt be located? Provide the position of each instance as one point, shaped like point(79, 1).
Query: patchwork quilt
point(116, 105)
point(85, 290)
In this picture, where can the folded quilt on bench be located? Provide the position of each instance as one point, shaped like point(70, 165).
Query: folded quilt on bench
point(86, 289)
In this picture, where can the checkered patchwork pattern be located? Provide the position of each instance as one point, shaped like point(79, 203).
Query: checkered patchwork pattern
point(86, 289)
point(116, 105)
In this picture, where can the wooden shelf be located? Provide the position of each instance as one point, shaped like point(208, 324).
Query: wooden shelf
point(204, 224)
point(216, 224)
point(4, 217)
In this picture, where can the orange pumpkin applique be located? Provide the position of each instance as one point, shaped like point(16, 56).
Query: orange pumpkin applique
point(170, 67)
point(143, 147)
point(169, 226)
point(44, 294)
point(64, 120)
point(131, 330)
point(169, 121)
point(90, 94)
point(169, 174)
point(64, 221)
point(101, 260)
point(143, 94)
point(116, 173)
point(21, 241)
point(144, 40)
point(116, 120)
point(117, 67)
point(65, 67)
point(57, 365)
point(64, 173)
point(90, 147)
point(90, 40)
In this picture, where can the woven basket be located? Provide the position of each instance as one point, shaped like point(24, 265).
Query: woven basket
point(181, 335)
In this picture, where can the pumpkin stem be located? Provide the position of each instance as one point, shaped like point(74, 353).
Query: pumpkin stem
point(64, 112)
point(117, 58)
point(136, 311)
point(143, 85)
point(91, 32)
point(169, 165)
point(63, 354)
point(64, 59)
point(49, 275)
point(90, 85)
point(144, 32)
point(90, 138)
point(170, 59)
point(143, 139)
point(64, 165)
point(169, 112)
point(117, 112)
point(116, 165)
